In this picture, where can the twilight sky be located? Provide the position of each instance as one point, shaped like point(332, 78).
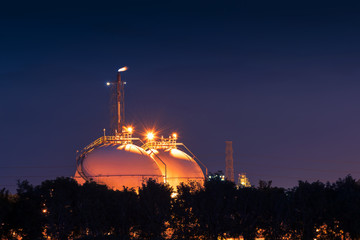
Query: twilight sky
point(281, 79)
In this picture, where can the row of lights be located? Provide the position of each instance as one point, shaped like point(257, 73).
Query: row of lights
point(149, 135)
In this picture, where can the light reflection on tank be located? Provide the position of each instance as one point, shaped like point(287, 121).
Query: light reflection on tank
point(177, 165)
point(180, 166)
point(118, 165)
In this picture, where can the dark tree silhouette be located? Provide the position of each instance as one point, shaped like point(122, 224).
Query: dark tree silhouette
point(94, 210)
point(309, 206)
point(59, 206)
point(153, 214)
point(28, 220)
point(183, 222)
point(347, 205)
point(6, 211)
point(246, 213)
point(214, 207)
point(122, 206)
point(61, 209)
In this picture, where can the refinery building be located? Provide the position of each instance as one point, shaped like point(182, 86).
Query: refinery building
point(122, 160)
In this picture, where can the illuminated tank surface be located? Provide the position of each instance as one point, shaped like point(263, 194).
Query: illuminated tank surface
point(180, 167)
point(118, 165)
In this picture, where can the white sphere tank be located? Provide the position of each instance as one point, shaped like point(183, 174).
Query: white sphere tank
point(180, 167)
point(119, 166)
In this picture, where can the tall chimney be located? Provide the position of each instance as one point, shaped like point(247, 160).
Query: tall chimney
point(229, 161)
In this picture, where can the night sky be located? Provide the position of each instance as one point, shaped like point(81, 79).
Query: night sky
point(281, 79)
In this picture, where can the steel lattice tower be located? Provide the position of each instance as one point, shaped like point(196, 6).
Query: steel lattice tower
point(120, 104)
point(229, 161)
point(113, 112)
point(117, 104)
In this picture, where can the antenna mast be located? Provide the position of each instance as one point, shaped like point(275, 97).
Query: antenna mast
point(118, 118)
point(120, 104)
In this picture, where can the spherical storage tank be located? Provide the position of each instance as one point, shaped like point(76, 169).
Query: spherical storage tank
point(180, 167)
point(116, 162)
point(118, 165)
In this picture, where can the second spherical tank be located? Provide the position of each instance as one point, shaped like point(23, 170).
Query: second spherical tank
point(180, 167)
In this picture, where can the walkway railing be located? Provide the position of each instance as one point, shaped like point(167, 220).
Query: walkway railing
point(126, 139)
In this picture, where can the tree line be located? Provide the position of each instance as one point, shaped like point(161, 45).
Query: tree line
point(61, 209)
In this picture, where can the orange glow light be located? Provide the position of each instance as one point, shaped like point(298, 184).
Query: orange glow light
point(130, 129)
point(150, 136)
point(123, 69)
point(174, 135)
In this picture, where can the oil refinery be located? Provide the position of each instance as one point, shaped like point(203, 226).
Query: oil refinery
point(122, 160)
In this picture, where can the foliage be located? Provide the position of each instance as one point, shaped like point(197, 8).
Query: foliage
point(59, 201)
point(213, 207)
point(28, 220)
point(62, 209)
point(6, 209)
point(184, 222)
point(154, 210)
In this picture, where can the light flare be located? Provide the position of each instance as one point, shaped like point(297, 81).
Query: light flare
point(123, 69)
point(150, 136)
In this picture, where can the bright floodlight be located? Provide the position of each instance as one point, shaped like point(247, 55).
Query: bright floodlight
point(150, 136)
point(130, 129)
point(108, 84)
point(174, 135)
point(123, 69)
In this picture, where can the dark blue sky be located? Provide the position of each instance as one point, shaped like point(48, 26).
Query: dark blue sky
point(278, 78)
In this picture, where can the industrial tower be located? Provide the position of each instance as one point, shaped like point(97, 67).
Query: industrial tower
point(229, 161)
point(117, 104)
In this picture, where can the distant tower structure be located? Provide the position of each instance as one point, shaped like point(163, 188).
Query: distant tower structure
point(229, 161)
